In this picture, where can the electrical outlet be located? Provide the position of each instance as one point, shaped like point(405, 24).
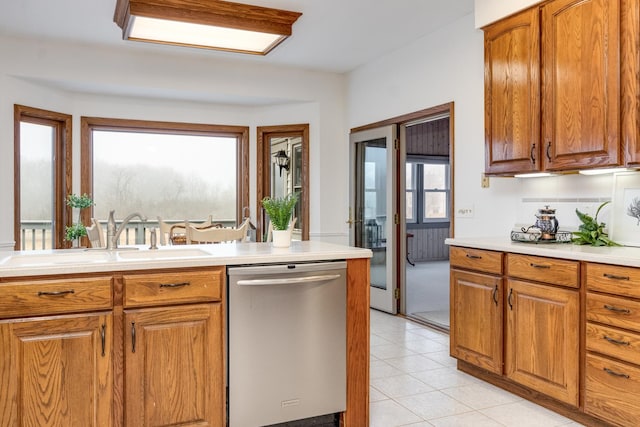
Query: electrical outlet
point(484, 181)
point(464, 212)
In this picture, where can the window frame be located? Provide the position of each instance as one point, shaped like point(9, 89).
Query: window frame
point(62, 168)
point(241, 133)
point(420, 191)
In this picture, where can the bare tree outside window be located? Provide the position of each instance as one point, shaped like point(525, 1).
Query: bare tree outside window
point(175, 177)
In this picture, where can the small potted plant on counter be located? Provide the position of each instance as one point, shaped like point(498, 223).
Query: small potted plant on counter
point(279, 210)
point(591, 232)
point(75, 231)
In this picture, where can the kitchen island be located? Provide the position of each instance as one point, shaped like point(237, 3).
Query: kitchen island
point(556, 323)
point(96, 337)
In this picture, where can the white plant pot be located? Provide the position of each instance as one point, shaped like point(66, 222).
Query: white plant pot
point(281, 238)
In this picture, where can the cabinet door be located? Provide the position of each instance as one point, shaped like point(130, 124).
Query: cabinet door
point(174, 366)
point(581, 84)
point(512, 94)
point(541, 344)
point(56, 371)
point(476, 319)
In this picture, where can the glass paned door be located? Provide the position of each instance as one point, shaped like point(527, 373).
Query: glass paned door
point(373, 179)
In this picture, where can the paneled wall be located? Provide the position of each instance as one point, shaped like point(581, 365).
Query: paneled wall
point(427, 244)
point(428, 139)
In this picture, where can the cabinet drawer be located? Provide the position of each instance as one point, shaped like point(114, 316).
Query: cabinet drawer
point(476, 259)
point(614, 342)
point(612, 390)
point(56, 296)
point(173, 288)
point(547, 270)
point(614, 311)
point(613, 279)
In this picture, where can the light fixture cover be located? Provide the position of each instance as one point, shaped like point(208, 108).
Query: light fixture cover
point(212, 24)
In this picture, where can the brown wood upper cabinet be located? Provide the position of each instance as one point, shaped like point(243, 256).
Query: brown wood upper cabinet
point(512, 94)
point(570, 55)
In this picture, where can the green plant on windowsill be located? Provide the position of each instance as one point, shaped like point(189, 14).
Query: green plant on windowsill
point(591, 232)
point(75, 231)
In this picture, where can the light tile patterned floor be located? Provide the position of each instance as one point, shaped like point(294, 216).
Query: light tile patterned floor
point(414, 383)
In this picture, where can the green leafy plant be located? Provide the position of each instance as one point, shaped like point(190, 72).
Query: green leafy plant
point(77, 229)
point(280, 210)
point(591, 232)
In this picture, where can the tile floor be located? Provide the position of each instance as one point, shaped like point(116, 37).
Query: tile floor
point(414, 383)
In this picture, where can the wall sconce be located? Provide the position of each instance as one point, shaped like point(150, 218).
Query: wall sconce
point(211, 24)
point(282, 160)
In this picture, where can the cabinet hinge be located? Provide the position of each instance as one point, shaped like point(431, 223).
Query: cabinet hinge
point(396, 144)
point(396, 219)
point(396, 293)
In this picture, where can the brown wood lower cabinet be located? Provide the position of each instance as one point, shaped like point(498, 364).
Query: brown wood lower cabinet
point(174, 366)
point(542, 339)
point(57, 371)
point(612, 373)
point(137, 349)
point(476, 313)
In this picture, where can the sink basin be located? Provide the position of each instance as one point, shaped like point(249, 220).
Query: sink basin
point(59, 258)
point(174, 253)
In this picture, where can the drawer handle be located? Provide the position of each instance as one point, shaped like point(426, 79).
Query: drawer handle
point(539, 265)
point(615, 374)
point(471, 256)
point(174, 285)
point(615, 341)
point(54, 293)
point(616, 309)
point(614, 277)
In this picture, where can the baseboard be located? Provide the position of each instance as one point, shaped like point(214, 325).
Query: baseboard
point(7, 246)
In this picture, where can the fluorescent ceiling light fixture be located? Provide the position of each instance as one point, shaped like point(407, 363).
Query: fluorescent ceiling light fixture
point(603, 171)
point(212, 24)
point(533, 175)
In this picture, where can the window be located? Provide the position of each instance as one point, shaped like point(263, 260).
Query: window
point(42, 142)
point(427, 190)
point(174, 171)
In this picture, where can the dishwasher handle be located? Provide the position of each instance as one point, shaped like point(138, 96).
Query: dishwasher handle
point(288, 281)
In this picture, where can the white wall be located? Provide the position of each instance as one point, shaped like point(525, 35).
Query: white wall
point(488, 11)
point(90, 81)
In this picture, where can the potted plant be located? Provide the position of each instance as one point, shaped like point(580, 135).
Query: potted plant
point(75, 231)
point(279, 210)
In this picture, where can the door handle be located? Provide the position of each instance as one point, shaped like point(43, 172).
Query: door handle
point(288, 281)
point(352, 221)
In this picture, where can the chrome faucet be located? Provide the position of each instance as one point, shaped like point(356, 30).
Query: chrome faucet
point(113, 232)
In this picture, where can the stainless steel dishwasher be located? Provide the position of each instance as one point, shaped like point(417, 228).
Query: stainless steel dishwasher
point(286, 342)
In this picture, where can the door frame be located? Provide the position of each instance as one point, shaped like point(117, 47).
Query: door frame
point(401, 250)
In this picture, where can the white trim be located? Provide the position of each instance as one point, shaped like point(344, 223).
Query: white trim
point(7, 246)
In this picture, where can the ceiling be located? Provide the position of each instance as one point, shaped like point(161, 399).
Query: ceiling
point(331, 35)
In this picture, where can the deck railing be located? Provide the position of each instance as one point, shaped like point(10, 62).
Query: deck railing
point(37, 235)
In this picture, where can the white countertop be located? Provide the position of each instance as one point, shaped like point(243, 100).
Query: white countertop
point(619, 255)
point(66, 261)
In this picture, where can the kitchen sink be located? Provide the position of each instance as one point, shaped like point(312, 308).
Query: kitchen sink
point(173, 253)
point(56, 258)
